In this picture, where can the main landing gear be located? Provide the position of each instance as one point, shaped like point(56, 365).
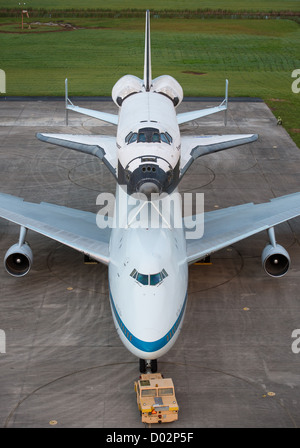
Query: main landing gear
point(148, 365)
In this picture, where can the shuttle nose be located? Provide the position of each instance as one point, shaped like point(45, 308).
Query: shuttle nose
point(149, 188)
point(148, 178)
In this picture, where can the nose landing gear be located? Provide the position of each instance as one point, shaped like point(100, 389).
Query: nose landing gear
point(148, 365)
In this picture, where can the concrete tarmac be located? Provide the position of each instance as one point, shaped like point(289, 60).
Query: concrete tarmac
point(62, 363)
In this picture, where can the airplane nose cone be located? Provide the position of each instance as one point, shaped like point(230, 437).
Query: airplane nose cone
point(149, 176)
point(148, 188)
point(148, 179)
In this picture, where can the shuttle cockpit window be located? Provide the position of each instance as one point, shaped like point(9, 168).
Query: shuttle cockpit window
point(133, 137)
point(128, 137)
point(156, 137)
point(149, 279)
point(164, 138)
point(142, 137)
point(169, 137)
point(148, 135)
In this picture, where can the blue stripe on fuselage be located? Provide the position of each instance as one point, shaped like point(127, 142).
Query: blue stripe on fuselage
point(143, 345)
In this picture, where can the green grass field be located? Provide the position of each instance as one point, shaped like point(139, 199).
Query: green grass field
point(257, 56)
point(231, 5)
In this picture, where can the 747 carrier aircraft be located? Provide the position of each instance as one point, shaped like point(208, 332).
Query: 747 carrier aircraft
point(147, 267)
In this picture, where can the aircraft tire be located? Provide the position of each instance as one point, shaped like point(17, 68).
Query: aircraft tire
point(142, 366)
point(153, 365)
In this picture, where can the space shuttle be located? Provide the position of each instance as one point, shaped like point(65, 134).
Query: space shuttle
point(148, 154)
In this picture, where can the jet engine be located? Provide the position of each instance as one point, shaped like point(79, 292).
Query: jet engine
point(275, 260)
point(127, 85)
point(18, 260)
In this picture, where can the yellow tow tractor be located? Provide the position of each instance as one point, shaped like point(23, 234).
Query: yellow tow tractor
point(156, 398)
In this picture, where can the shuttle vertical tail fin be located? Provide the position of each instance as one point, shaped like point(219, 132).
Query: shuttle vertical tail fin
point(147, 60)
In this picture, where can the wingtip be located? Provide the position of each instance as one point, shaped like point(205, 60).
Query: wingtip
point(42, 137)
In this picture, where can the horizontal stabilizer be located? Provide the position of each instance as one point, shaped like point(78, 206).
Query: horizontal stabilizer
point(195, 114)
point(103, 116)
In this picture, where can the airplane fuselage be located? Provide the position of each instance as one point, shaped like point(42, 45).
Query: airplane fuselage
point(148, 276)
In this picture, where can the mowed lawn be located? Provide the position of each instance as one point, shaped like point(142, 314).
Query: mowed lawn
point(231, 5)
point(257, 56)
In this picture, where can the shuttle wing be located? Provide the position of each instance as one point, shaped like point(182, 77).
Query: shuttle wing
point(103, 147)
point(74, 228)
point(230, 225)
point(194, 147)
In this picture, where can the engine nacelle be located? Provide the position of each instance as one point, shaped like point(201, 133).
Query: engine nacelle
point(167, 85)
point(127, 85)
point(275, 260)
point(18, 260)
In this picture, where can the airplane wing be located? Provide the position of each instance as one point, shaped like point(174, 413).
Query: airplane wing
point(227, 226)
point(74, 228)
point(194, 147)
point(103, 147)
